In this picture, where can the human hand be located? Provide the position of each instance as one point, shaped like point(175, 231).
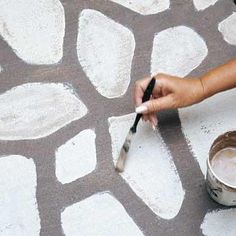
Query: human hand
point(170, 92)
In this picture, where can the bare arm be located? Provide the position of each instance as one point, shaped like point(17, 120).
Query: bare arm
point(173, 92)
point(219, 79)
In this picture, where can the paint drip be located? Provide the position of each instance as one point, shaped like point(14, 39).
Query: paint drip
point(224, 165)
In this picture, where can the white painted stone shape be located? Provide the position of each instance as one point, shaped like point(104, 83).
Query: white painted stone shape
point(228, 29)
point(105, 51)
point(177, 51)
point(35, 110)
point(204, 122)
point(150, 170)
point(219, 222)
point(18, 206)
point(203, 4)
point(34, 29)
point(77, 157)
point(100, 215)
point(147, 7)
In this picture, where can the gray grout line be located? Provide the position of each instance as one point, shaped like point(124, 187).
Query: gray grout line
point(67, 71)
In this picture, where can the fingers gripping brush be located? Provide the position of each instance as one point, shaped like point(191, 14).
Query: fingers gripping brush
point(125, 148)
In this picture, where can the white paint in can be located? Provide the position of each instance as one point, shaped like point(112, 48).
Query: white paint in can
point(224, 165)
point(223, 192)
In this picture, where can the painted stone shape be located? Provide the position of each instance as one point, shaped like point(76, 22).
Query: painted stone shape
point(37, 34)
point(228, 29)
point(77, 157)
point(219, 222)
point(150, 170)
point(203, 4)
point(177, 51)
point(35, 110)
point(18, 206)
point(105, 51)
point(147, 7)
point(100, 215)
point(204, 122)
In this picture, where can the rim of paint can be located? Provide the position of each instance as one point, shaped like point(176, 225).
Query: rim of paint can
point(227, 135)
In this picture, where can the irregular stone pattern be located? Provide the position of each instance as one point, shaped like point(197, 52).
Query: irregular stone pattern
point(105, 51)
point(203, 4)
point(34, 29)
point(77, 157)
point(228, 29)
point(220, 222)
point(147, 7)
point(204, 122)
point(150, 170)
point(177, 51)
point(18, 206)
point(100, 215)
point(35, 110)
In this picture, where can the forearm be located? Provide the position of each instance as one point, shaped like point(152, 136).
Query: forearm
point(219, 79)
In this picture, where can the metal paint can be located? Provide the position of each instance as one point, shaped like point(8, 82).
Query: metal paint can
point(220, 191)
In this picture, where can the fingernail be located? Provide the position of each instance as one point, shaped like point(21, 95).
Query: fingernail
point(140, 109)
point(153, 127)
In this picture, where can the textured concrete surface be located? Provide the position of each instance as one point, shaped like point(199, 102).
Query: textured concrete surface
point(55, 199)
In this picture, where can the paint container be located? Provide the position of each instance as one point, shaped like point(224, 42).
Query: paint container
point(221, 191)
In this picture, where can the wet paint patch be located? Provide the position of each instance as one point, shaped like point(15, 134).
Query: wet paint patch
point(204, 122)
point(100, 215)
point(18, 205)
point(203, 4)
point(177, 51)
point(77, 157)
point(219, 222)
point(37, 34)
point(147, 7)
point(105, 50)
point(150, 170)
point(228, 29)
point(36, 110)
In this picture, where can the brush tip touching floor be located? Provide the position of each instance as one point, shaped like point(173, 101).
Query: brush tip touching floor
point(120, 165)
point(121, 160)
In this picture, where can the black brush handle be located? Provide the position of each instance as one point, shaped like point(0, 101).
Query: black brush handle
point(146, 96)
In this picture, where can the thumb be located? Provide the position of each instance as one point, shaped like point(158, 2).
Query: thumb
point(155, 105)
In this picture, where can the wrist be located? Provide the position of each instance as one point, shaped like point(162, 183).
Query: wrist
point(203, 89)
point(198, 90)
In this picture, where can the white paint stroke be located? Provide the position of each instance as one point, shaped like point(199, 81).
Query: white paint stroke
point(35, 110)
point(220, 222)
point(203, 4)
point(147, 7)
point(18, 205)
point(228, 29)
point(34, 29)
point(177, 51)
point(204, 122)
point(77, 157)
point(150, 170)
point(100, 215)
point(105, 51)
point(0, 69)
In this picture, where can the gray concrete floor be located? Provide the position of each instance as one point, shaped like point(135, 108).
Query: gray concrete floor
point(52, 196)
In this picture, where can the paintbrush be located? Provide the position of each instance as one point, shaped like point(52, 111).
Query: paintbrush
point(125, 148)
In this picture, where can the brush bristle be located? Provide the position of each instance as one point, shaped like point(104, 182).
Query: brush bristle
point(121, 161)
point(123, 152)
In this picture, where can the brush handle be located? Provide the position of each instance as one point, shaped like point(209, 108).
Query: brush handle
point(146, 96)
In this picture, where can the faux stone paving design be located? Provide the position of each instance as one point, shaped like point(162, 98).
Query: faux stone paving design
point(67, 69)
